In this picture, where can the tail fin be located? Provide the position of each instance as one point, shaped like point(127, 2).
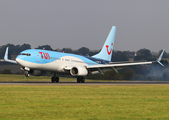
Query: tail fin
point(6, 54)
point(6, 57)
point(107, 49)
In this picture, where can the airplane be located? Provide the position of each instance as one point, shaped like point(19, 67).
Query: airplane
point(37, 61)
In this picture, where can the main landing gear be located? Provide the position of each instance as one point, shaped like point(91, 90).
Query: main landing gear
point(54, 78)
point(80, 79)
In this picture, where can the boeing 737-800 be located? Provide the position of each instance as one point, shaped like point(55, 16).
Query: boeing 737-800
point(37, 61)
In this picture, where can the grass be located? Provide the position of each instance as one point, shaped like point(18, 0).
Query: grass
point(84, 102)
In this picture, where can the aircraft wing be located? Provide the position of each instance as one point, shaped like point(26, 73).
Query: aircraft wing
point(122, 64)
point(10, 61)
point(6, 58)
point(118, 65)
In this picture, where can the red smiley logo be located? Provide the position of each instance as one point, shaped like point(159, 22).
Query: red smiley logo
point(109, 52)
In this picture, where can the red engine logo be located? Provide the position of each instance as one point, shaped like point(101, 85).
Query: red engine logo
point(45, 55)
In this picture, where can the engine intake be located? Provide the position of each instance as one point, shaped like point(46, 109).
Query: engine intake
point(78, 71)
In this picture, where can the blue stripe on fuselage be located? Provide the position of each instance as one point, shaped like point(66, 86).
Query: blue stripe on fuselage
point(45, 56)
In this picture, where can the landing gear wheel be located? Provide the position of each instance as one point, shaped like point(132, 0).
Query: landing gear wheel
point(26, 74)
point(80, 79)
point(52, 79)
point(55, 79)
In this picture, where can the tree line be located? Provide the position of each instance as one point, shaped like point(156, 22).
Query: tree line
point(146, 72)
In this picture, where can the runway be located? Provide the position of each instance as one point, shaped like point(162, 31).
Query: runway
point(86, 83)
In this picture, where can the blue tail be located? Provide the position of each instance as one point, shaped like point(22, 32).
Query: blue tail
point(107, 49)
point(6, 54)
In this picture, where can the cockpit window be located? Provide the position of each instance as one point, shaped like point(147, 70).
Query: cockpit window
point(27, 54)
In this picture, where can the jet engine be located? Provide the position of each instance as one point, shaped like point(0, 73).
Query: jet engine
point(78, 71)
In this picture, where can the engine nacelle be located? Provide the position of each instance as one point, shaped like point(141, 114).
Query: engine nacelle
point(78, 71)
point(36, 72)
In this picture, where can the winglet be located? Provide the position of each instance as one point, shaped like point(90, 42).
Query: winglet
point(6, 54)
point(159, 59)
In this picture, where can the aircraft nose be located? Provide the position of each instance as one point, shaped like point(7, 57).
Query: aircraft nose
point(18, 60)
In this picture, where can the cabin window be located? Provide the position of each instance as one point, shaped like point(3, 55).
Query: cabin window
point(27, 54)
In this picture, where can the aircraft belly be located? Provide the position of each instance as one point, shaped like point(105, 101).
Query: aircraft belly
point(53, 66)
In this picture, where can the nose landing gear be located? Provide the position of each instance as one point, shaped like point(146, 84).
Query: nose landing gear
point(26, 73)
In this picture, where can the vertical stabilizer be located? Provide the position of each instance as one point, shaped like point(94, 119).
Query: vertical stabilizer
point(107, 49)
point(6, 54)
point(6, 57)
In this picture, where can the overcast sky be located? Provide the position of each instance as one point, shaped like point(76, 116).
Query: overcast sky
point(85, 23)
